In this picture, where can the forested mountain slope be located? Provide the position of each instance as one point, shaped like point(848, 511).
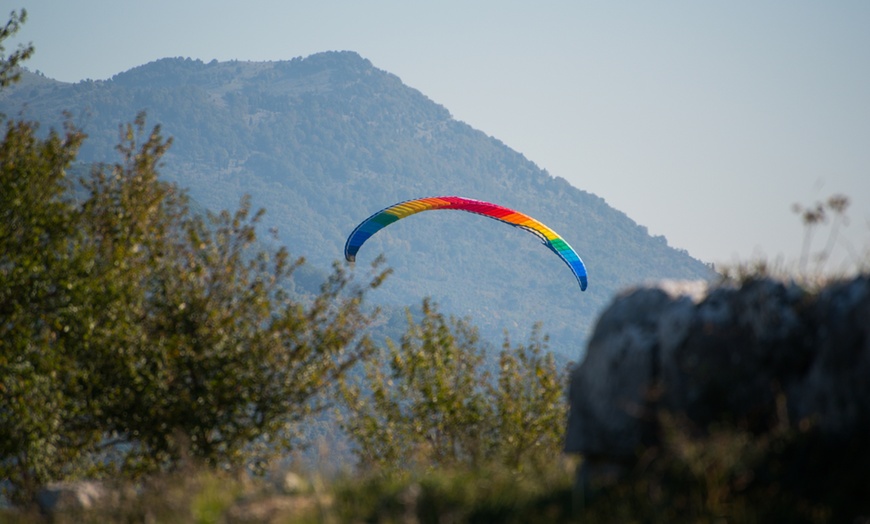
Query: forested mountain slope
point(325, 141)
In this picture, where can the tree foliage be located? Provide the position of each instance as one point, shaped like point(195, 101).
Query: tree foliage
point(9, 72)
point(41, 290)
point(431, 401)
point(135, 334)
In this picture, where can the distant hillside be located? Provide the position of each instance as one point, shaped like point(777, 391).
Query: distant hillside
point(323, 142)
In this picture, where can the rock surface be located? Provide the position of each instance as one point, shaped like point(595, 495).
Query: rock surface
point(65, 497)
point(763, 354)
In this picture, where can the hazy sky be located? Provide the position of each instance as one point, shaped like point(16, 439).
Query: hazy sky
point(704, 121)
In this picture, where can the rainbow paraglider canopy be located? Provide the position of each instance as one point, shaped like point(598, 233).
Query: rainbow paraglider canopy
point(387, 216)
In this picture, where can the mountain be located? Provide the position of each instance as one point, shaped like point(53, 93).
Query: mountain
point(323, 142)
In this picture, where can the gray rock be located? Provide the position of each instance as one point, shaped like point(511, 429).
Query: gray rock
point(65, 497)
point(835, 393)
point(609, 391)
point(727, 354)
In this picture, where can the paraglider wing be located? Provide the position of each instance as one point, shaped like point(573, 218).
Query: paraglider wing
point(387, 216)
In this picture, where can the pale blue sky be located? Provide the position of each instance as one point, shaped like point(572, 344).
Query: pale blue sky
point(704, 121)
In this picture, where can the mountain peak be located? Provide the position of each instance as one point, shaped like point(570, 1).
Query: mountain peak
point(324, 141)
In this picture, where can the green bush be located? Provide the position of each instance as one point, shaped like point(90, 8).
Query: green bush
point(430, 401)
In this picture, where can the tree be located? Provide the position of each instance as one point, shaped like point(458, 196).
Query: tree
point(126, 320)
point(40, 287)
point(135, 334)
point(216, 359)
point(530, 404)
point(434, 404)
point(9, 72)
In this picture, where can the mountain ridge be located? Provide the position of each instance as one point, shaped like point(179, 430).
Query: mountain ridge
point(324, 141)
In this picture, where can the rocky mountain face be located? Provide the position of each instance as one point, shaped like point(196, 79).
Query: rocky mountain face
point(322, 142)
